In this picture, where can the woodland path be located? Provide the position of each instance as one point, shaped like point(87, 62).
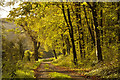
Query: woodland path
point(43, 70)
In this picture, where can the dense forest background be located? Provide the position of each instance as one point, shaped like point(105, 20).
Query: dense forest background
point(86, 34)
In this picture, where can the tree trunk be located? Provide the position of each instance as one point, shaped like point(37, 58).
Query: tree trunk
point(70, 32)
point(64, 51)
point(101, 24)
point(91, 32)
point(68, 45)
point(36, 47)
point(55, 54)
point(36, 44)
point(97, 33)
point(72, 37)
point(78, 16)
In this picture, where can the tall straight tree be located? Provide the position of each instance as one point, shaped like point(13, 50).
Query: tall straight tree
point(64, 51)
point(101, 22)
point(97, 32)
point(90, 30)
point(69, 24)
point(67, 44)
point(78, 18)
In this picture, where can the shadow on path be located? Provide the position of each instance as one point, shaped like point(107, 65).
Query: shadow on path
point(43, 70)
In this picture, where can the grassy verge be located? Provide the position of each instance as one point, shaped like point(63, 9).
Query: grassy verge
point(26, 69)
point(102, 69)
point(64, 61)
point(105, 70)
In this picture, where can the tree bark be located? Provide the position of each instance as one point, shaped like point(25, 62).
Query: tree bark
point(70, 32)
point(83, 46)
point(97, 33)
point(101, 24)
point(72, 38)
point(64, 51)
point(68, 45)
point(64, 15)
point(55, 54)
point(36, 47)
point(78, 16)
point(91, 32)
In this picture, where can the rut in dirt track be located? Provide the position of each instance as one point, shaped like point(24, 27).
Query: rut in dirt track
point(43, 70)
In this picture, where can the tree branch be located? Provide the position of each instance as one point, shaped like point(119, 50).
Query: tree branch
point(89, 5)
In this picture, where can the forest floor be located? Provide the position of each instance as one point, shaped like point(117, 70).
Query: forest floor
point(46, 70)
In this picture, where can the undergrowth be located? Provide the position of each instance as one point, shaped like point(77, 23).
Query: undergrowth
point(65, 61)
point(105, 69)
point(26, 69)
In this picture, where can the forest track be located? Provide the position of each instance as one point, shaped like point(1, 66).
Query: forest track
point(43, 70)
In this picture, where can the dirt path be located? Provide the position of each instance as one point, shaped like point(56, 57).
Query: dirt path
point(43, 70)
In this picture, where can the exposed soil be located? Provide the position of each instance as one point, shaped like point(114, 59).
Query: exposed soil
point(43, 70)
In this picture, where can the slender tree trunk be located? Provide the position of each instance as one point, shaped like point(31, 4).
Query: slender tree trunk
point(64, 51)
point(72, 37)
point(99, 52)
point(81, 32)
point(78, 16)
point(55, 54)
point(83, 45)
point(68, 47)
point(97, 33)
point(91, 32)
point(70, 32)
point(101, 24)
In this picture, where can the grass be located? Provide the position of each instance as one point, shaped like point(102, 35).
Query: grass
point(25, 74)
point(58, 75)
point(26, 69)
point(105, 70)
point(108, 69)
point(65, 61)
